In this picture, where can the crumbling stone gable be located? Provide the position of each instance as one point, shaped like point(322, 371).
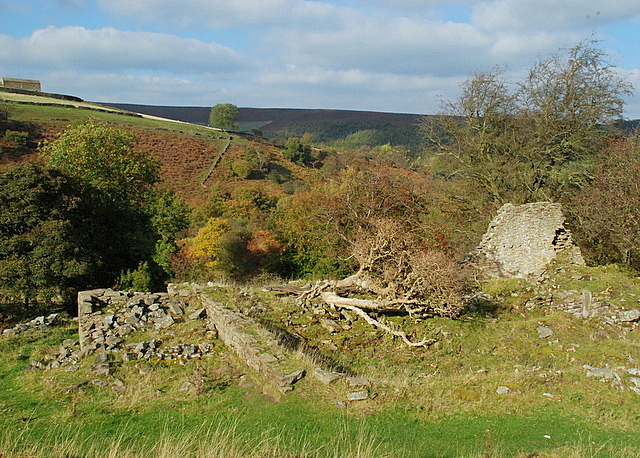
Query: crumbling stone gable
point(523, 239)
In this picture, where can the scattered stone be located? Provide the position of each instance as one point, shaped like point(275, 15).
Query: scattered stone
point(69, 343)
point(330, 325)
point(358, 395)
point(72, 368)
point(599, 336)
point(118, 389)
point(291, 378)
point(75, 387)
point(186, 386)
point(355, 382)
point(197, 315)
point(544, 332)
point(175, 309)
point(503, 389)
point(629, 316)
point(327, 377)
point(268, 358)
point(99, 382)
point(341, 405)
point(603, 373)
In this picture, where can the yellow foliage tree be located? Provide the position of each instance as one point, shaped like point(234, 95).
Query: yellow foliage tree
point(205, 246)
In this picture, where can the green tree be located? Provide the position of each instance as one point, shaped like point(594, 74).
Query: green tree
point(143, 220)
point(105, 157)
point(297, 150)
point(224, 116)
point(48, 247)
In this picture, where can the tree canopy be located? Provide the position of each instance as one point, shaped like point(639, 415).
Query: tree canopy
point(224, 116)
point(534, 140)
point(104, 157)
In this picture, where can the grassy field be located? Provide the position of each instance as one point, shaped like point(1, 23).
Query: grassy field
point(25, 108)
point(440, 401)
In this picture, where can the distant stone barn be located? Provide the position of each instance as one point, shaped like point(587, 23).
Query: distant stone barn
point(17, 83)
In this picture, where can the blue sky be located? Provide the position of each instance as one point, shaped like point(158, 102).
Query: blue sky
point(381, 55)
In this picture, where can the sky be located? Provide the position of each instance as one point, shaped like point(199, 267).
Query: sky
point(404, 56)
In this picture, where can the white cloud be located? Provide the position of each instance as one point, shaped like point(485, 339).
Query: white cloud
point(113, 50)
point(221, 13)
point(530, 15)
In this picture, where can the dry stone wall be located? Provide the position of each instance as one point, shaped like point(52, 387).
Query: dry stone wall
point(523, 239)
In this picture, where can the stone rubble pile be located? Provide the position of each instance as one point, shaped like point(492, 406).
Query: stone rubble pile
point(38, 323)
point(153, 350)
point(106, 316)
point(616, 377)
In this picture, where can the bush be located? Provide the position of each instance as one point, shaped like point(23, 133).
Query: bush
point(18, 138)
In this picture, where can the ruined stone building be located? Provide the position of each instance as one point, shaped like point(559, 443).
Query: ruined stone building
point(523, 239)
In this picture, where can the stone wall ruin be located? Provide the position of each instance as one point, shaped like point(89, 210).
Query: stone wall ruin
point(523, 239)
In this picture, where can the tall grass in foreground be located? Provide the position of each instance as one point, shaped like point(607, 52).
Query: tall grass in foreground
point(208, 441)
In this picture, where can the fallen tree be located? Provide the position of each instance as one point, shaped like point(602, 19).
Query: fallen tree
point(403, 275)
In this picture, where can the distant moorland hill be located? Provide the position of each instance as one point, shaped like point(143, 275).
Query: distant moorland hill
point(276, 119)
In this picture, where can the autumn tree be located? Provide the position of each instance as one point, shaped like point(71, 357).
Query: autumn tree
point(606, 212)
point(535, 140)
point(224, 116)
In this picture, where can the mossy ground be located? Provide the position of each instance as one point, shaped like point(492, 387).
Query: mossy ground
point(435, 401)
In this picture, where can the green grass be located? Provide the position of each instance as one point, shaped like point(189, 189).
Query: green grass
point(439, 401)
point(70, 112)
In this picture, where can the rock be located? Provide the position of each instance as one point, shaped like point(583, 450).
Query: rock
point(175, 309)
point(72, 368)
point(75, 387)
point(330, 325)
point(635, 381)
point(544, 332)
point(633, 371)
point(101, 369)
point(503, 389)
point(101, 357)
point(118, 389)
point(267, 358)
point(327, 377)
point(635, 389)
point(198, 314)
point(291, 378)
point(602, 373)
point(354, 382)
point(358, 395)
point(112, 341)
point(69, 343)
point(125, 329)
point(341, 405)
point(186, 386)
point(629, 316)
point(99, 382)
point(599, 336)
point(164, 322)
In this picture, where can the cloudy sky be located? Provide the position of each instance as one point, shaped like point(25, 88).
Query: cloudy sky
point(381, 55)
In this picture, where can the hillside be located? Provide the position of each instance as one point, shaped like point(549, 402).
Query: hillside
point(276, 119)
point(244, 355)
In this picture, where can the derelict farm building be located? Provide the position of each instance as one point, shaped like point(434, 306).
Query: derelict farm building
point(17, 83)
